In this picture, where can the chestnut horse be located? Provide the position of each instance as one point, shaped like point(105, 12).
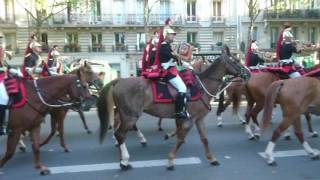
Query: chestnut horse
point(41, 95)
point(58, 114)
point(131, 104)
point(294, 96)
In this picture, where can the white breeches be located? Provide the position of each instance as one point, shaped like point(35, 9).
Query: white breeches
point(4, 98)
point(178, 84)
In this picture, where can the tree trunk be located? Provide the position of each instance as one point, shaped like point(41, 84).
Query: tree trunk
point(146, 14)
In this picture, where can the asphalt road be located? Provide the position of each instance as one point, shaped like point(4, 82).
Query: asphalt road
point(239, 159)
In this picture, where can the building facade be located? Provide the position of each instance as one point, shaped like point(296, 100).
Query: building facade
point(113, 30)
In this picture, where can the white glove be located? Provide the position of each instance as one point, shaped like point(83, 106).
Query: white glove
point(53, 69)
point(15, 72)
point(37, 70)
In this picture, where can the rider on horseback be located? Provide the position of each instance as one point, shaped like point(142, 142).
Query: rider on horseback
point(4, 98)
point(254, 57)
point(286, 51)
point(32, 60)
point(53, 64)
point(167, 57)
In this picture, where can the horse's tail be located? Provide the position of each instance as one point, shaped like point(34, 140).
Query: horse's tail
point(105, 106)
point(271, 96)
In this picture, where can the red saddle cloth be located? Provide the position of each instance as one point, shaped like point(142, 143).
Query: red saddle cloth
point(280, 71)
point(164, 92)
point(16, 91)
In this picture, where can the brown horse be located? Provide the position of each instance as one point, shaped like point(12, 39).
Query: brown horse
point(41, 94)
point(131, 104)
point(294, 96)
point(58, 114)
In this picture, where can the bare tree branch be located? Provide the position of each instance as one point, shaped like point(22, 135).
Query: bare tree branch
point(52, 14)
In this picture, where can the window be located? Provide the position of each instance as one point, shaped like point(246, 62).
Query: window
point(312, 35)
point(10, 41)
point(217, 41)
point(141, 41)
point(96, 42)
point(44, 42)
point(191, 37)
point(216, 11)
point(118, 12)
point(274, 36)
point(96, 7)
point(164, 9)
point(255, 33)
point(116, 66)
point(191, 11)
point(120, 41)
point(72, 38)
point(295, 32)
point(72, 43)
point(139, 11)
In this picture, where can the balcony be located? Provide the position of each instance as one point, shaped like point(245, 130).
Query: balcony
point(217, 19)
point(97, 48)
point(192, 20)
point(8, 19)
point(120, 48)
point(297, 14)
point(112, 19)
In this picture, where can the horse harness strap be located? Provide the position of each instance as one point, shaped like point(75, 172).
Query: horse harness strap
point(208, 106)
point(206, 90)
point(44, 102)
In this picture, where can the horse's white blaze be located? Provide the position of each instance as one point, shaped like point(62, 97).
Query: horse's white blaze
point(124, 154)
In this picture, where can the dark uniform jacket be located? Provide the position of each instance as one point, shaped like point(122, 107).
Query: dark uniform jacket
point(165, 52)
point(255, 59)
point(287, 50)
point(31, 60)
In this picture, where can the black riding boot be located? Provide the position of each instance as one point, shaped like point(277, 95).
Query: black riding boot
point(2, 119)
point(181, 101)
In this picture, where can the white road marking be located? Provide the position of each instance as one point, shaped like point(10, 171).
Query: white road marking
point(113, 166)
point(290, 153)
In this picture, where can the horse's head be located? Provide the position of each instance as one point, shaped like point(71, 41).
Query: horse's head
point(233, 65)
point(89, 76)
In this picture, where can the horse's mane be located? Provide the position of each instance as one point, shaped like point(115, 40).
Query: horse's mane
point(212, 67)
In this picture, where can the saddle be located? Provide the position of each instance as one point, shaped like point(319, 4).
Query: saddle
point(164, 92)
point(16, 92)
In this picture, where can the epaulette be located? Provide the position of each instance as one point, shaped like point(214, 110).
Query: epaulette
point(27, 55)
point(164, 42)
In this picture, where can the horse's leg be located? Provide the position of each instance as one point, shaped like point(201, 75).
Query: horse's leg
point(299, 134)
point(83, 119)
point(248, 116)
point(53, 129)
point(254, 114)
point(287, 133)
point(312, 132)
point(22, 145)
point(240, 118)
point(182, 130)
point(35, 136)
point(60, 122)
point(143, 140)
point(204, 140)
point(159, 124)
point(12, 141)
point(120, 135)
point(275, 136)
point(221, 108)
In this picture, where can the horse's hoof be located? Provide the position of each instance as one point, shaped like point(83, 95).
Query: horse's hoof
point(125, 167)
point(243, 123)
point(256, 137)
point(316, 157)
point(273, 163)
point(160, 129)
point(215, 163)
point(89, 132)
point(66, 150)
point(252, 138)
point(166, 137)
point(314, 135)
point(23, 149)
point(45, 172)
point(287, 138)
point(170, 168)
point(220, 125)
point(144, 144)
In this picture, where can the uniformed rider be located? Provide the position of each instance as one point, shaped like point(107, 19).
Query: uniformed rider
point(168, 60)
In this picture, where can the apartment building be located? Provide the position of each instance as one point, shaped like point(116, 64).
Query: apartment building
point(112, 30)
point(303, 15)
